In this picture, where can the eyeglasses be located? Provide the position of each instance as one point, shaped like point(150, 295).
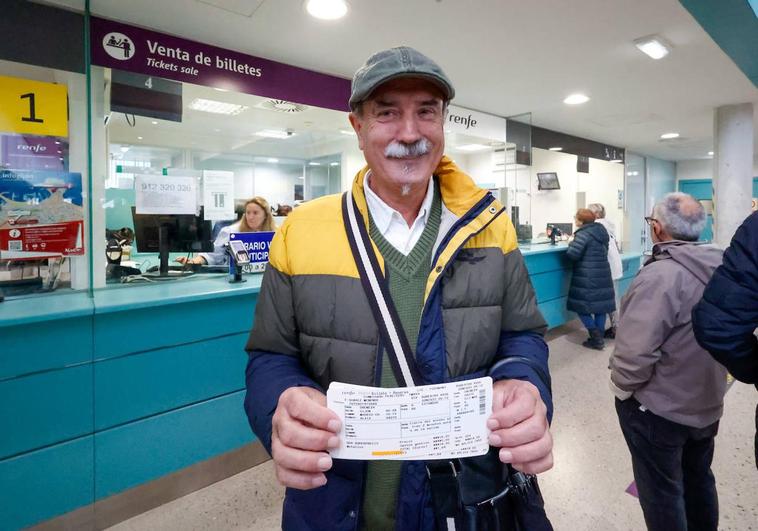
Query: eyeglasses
point(649, 220)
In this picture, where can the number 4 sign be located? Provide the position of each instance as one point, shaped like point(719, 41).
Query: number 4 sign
point(33, 107)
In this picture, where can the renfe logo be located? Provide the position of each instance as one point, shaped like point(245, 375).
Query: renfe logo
point(118, 46)
point(468, 121)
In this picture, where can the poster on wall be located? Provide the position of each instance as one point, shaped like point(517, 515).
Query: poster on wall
point(257, 245)
point(30, 152)
point(164, 194)
point(41, 214)
point(218, 195)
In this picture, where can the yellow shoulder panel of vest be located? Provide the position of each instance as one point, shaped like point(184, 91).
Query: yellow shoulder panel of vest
point(500, 233)
point(313, 241)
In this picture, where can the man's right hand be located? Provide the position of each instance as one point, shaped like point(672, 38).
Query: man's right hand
point(302, 430)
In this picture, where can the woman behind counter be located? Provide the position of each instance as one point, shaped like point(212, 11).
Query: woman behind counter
point(257, 218)
point(591, 292)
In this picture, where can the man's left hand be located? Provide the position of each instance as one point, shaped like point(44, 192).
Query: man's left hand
point(519, 426)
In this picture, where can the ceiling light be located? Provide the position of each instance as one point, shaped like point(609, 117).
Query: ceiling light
point(272, 160)
point(314, 164)
point(654, 46)
point(334, 164)
point(326, 9)
point(275, 133)
point(472, 147)
point(347, 132)
point(124, 149)
point(139, 138)
point(710, 153)
point(615, 160)
point(669, 136)
point(556, 148)
point(154, 122)
point(576, 99)
point(216, 107)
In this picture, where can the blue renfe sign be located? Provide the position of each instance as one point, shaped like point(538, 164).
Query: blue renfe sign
point(257, 245)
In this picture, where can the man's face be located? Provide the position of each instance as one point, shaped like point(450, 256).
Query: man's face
point(400, 132)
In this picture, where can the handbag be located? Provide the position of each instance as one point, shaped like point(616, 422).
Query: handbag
point(468, 494)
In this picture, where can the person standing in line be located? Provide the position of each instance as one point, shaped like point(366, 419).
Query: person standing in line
point(614, 258)
point(591, 293)
point(669, 391)
point(726, 318)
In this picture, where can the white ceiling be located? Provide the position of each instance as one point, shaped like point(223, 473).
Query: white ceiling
point(504, 56)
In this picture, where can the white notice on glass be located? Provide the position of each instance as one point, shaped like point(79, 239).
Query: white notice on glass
point(426, 422)
point(218, 195)
point(163, 194)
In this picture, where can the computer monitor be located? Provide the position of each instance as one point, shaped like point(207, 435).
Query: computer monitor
point(164, 233)
point(565, 228)
point(548, 181)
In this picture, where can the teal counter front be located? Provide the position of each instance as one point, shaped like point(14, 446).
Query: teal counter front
point(100, 394)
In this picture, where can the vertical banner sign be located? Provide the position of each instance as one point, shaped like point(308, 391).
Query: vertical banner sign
point(33, 107)
point(257, 245)
point(41, 214)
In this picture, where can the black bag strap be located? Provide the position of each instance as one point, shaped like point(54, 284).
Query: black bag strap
point(377, 291)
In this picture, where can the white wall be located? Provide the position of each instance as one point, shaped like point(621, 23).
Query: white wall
point(699, 169)
point(600, 185)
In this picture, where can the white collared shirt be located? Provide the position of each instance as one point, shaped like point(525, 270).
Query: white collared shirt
point(391, 223)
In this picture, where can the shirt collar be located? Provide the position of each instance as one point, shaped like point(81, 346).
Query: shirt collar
point(383, 214)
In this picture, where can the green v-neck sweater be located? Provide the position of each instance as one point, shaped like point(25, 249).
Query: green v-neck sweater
point(407, 277)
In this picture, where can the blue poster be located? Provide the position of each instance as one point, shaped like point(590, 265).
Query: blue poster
point(257, 245)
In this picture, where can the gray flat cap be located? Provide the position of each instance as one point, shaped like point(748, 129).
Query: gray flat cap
point(394, 63)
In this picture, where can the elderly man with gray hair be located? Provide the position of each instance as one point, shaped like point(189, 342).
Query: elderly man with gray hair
point(669, 391)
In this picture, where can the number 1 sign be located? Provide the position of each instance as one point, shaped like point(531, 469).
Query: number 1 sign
point(33, 107)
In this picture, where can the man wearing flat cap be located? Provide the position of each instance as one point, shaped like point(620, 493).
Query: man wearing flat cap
point(449, 259)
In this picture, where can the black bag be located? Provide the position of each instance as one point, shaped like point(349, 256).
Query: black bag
point(470, 494)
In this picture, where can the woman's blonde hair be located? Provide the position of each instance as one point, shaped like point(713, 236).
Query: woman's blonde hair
point(268, 221)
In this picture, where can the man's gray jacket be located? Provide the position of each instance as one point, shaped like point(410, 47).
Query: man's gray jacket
point(656, 358)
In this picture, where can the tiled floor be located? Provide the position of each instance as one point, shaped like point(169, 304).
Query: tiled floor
point(584, 492)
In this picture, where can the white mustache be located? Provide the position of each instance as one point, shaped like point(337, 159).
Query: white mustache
point(401, 150)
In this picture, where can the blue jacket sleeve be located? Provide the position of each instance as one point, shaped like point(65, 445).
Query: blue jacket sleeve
point(523, 356)
point(267, 376)
point(725, 319)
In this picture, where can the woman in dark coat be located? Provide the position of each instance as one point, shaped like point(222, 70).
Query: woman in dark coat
point(591, 293)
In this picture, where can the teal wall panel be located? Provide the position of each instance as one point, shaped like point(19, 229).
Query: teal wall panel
point(548, 261)
point(140, 385)
point(555, 312)
point(551, 285)
point(43, 484)
point(45, 408)
point(126, 332)
point(148, 449)
point(45, 345)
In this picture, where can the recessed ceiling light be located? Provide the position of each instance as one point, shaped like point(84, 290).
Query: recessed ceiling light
point(710, 153)
point(472, 147)
point(272, 160)
point(314, 164)
point(154, 122)
point(326, 9)
point(556, 148)
point(216, 107)
point(139, 138)
point(576, 99)
point(653, 46)
point(274, 133)
point(124, 149)
point(669, 136)
point(334, 164)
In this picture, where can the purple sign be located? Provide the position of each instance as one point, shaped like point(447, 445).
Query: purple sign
point(124, 47)
point(28, 152)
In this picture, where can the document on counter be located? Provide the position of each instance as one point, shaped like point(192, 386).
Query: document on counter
point(441, 421)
